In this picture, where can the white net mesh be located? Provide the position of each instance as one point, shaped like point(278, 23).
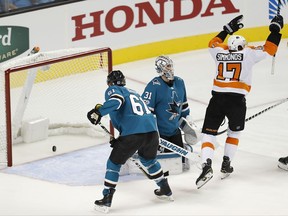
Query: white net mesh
point(61, 86)
point(3, 140)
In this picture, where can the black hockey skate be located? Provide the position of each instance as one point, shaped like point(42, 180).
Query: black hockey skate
point(164, 192)
point(283, 163)
point(226, 169)
point(206, 175)
point(104, 204)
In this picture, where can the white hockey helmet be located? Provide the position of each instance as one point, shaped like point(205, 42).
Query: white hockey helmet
point(236, 43)
point(164, 66)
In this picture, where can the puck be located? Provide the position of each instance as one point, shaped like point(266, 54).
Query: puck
point(54, 148)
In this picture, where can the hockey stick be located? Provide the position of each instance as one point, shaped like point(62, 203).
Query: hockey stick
point(194, 157)
point(273, 58)
point(35, 50)
point(106, 130)
point(259, 113)
point(25, 95)
point(131, 159)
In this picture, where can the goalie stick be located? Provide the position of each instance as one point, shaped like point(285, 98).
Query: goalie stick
point(259, 113)
point(194, 157)
point(132, 159)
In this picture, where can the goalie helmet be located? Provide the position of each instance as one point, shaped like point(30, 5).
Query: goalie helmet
point(164, 67)
point(236, 43)
point(116, 77)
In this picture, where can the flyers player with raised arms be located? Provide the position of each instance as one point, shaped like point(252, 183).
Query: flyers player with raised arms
point(232, 82)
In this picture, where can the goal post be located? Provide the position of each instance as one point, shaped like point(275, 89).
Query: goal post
point(50, 93)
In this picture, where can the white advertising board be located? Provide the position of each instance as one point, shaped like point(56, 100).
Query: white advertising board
point(121, 24)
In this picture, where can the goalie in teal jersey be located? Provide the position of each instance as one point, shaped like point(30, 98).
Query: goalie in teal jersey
point(137, 132)
point(166, 97)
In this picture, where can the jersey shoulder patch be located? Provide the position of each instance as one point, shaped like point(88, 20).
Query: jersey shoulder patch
point(178, 78)
point(156, 82)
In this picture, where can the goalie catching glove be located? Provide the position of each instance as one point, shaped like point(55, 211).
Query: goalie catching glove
point(192, 134)
point(94, 115)
point(234, 25)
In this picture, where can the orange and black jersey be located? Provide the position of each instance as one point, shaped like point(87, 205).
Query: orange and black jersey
point(234, 69)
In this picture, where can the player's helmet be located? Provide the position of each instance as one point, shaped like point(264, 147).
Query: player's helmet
point(164, 66)
point(116, 77)
point(236, 43)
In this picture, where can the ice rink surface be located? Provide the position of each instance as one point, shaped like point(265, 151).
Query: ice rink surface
point(257, 186)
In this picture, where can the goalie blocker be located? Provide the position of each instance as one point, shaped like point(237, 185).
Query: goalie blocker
point(192, 134)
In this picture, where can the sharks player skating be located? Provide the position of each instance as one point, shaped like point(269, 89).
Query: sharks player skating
point(137, 132)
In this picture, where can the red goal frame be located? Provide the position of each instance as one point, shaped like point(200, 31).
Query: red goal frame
point(39, 64)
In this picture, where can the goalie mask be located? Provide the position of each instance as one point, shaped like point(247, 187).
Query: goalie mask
point(116, 77)
point(164, 67)
point(236, 43)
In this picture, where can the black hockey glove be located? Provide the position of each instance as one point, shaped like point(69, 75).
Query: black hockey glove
point(234, 25)
point(276, 24)
point(113, 142)
point(94, 115)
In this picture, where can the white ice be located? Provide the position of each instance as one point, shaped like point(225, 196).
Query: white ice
point(257, 186)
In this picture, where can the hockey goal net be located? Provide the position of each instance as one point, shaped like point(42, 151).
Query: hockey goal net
point(50, 93)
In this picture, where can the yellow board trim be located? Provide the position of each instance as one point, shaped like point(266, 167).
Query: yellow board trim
point(144, 51)
point(184, 44)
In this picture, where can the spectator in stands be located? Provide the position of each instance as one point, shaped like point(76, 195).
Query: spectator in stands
point(14, 4)
point(37, 2)
point(3, 6)
point(6, 5)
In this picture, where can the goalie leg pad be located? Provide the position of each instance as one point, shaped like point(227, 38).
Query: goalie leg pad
point(186, 164)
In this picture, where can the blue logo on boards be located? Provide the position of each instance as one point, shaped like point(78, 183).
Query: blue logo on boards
point(275, 6)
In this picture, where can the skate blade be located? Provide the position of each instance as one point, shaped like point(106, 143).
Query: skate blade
point(204, 180)
point(224, 175)
point(103, 209)
point(283, 166)
point(166, 198)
